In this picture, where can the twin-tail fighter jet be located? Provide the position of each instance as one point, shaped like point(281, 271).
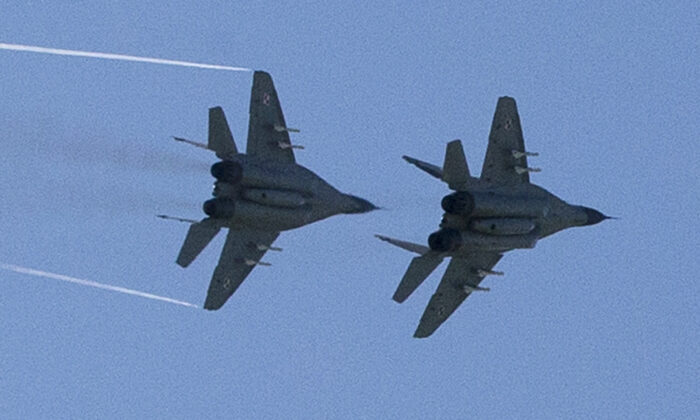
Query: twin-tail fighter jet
point(257, 194)
point(484, 217)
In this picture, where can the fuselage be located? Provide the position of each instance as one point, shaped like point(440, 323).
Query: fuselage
point(484, 217)
point(274, 196)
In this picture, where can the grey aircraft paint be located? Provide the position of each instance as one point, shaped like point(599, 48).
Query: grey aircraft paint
point(484, 218)
point(257, 195)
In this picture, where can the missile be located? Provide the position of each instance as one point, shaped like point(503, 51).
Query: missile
point(252, 263)
point(263, 247)
point(520, 170)
point(283, 145)
point(518, 154)
point(484, 273)
point(468, 288)
point(281, 128)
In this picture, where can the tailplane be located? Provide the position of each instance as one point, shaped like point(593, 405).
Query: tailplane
point(418, 271)
point(431, 169)
point(198, 237)
point(408, 246)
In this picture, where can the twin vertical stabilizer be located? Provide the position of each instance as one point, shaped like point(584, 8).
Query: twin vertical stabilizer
point(455, 171)
point(220, 137)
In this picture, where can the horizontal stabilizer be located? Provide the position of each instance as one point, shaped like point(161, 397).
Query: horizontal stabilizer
point(177, 219)
point(198, 237)
point(455, 171)
point(220, 137)
point(193, 143)
point(417, 272)
point(408, 246)
point(433, 170)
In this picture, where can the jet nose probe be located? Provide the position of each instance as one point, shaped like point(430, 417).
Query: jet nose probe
point(594, 216)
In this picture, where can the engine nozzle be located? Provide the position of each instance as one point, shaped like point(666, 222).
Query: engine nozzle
point(227, 171)
point(445, 240)
point(458, 203)
point(219, 208)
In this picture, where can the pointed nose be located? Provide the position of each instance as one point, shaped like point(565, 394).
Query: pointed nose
point(593, 216)
point(359, 205)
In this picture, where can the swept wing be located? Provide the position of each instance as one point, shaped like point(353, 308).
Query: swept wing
point(268, 136)
point(506, 160)
point(461, 276)
point(242, 252)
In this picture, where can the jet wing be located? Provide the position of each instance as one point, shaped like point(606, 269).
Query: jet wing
point(452, 291)
point(505, 162)
point(242, 251)
point(268, 137)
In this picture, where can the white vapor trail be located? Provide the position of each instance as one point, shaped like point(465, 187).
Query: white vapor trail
point(83, 282)
point(108, 56)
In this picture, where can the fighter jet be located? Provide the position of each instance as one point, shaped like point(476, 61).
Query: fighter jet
point(257, 194)
point(484, 218)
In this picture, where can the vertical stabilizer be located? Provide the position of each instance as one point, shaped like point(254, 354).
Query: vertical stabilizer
point(455, 171)
point(220, 138)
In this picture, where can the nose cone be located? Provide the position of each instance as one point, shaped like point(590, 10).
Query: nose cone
point(593, 216)
point(358, 205)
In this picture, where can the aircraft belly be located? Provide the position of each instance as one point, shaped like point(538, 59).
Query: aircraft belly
point(274, 197)
point(280, 176)
point(482, 242)
point(490, 204)
point(502, 226)
point(270, 218)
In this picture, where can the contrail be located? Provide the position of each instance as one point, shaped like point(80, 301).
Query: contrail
point(46, 274)
point(108, 56)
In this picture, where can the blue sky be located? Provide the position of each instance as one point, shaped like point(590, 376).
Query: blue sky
point(594, 322)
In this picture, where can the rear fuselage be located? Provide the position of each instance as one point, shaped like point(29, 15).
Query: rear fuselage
point(484, 217)
point(271, 196)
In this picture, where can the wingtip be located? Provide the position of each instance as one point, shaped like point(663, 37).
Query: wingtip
point(385, 238)
point(420, 334)
point(506, 99)
point(212, 306)
point(429, 168)
point(399, 298)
